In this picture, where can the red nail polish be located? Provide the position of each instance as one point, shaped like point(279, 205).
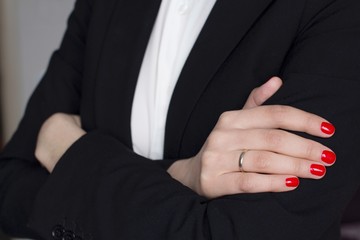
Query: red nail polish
point(317, 170)
point(328, 157)
point(292, 182)
point(327, 128)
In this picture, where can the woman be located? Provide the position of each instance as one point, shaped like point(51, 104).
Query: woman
point(225, 173)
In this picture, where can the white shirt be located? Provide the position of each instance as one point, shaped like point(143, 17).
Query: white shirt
point(176, 29)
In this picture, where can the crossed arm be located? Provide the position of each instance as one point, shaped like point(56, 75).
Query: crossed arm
point(111, 193)
point(274, 160)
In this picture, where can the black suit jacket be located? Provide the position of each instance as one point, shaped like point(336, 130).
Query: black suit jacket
point(100, 189)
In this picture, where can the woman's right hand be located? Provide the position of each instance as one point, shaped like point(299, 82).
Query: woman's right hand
point(272, 157)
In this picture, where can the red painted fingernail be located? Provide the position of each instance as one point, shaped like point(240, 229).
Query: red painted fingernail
point(317, 170)
point(292, 182)
point(327, 128)
point(328, 157)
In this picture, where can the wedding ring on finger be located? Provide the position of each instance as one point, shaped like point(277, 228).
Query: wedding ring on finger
point(241, 160)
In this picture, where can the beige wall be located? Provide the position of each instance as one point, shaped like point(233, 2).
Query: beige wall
point(30, 31)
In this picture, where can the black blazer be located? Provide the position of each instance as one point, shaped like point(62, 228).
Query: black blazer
point(100, 189)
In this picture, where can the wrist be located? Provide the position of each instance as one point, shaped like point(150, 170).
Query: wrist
point(56, 136)
point(184, 172)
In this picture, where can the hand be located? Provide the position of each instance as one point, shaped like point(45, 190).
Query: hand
point(56, 135)
point(274, 158)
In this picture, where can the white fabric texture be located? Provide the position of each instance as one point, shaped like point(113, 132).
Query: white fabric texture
point(176, 29)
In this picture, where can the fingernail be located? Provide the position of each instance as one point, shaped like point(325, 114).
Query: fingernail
point(317, 170)
point(292, 182)
point(328, 157)
point(327, 128)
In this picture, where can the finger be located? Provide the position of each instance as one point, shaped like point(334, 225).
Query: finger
point(242, 182)
point(260, 94)
point(268, 163)
point(285, 143)
point(273, 163)
point(277, 116)
point(272, 140)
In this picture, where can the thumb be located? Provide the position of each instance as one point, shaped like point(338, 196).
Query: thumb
point(260, 94)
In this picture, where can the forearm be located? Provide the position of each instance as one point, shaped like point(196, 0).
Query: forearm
point(100, 181)
point(100, 169)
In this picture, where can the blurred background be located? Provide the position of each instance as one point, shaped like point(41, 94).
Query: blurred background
point(29, 31)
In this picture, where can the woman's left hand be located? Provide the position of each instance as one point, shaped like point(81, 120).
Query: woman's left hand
point(56, 135)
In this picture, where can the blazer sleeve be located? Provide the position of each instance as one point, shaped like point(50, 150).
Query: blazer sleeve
point(102, 190)
point(21, 175)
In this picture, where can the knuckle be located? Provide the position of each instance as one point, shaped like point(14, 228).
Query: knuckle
point(309, 150)
point(271, 184)
point(226, 118)
point(246, 184)
point(274, 138)
point(281, 109)
point(308, 121)
point(279, 114)
point(261, 161)
point(295, 167)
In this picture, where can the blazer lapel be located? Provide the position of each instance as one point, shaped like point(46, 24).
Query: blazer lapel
point(123, 51)
point(227, 24)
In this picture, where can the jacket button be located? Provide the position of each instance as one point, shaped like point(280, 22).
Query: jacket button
point(68, 235)
point(58, 232)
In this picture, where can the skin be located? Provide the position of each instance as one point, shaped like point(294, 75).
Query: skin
point(270, 161)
